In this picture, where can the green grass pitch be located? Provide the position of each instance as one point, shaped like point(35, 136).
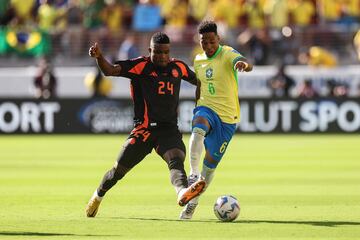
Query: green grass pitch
point(288, 186)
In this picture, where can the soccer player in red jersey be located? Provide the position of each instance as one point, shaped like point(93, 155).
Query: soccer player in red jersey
point(155, 86)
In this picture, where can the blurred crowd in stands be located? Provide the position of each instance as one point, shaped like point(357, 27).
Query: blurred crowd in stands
point(282, 83)
point(264, 28)
point(283, 32)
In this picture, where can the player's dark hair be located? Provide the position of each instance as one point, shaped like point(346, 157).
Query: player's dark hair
point(160, 38)
point(207, 26)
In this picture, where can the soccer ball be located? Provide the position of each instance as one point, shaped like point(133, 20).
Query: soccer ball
point(226, 208)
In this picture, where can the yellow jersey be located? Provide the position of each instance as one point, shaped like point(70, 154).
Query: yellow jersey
point(219, 83)
point(319, 56)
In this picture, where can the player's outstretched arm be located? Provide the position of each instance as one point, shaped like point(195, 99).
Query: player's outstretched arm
point(243, 66)
point(107, 68)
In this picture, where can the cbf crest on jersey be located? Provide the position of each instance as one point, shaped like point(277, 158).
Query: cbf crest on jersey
point(209, 73)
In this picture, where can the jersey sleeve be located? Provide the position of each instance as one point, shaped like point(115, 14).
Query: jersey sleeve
point(187, 74)
point(233, 56)
point(131, 66)
point(125, 67)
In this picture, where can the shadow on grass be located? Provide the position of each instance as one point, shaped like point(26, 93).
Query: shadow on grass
point(160, 219)
point(19, 233)
point(312, 223)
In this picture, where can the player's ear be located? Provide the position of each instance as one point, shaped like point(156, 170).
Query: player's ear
point(149, 49)
point(218, 37)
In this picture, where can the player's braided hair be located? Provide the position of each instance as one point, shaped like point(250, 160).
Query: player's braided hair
point(207, 26)
point(160, 38)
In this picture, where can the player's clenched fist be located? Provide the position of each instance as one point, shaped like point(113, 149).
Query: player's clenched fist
point(243, 66)
point(94, 51)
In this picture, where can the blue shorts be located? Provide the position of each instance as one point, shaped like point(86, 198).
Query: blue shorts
point(219, 136)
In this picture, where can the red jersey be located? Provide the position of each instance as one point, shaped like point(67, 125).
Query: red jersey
point(155, 90)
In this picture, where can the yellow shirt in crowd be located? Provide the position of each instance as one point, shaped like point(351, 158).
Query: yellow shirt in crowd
point(319, 56)
point(303, 11)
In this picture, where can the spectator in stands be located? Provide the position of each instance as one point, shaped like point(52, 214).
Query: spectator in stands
point(198, 9)
point(175, 13)
point(353, 7)
point(128, 48)
point(336, 89)
point(343, 12)
point(307, 90)
point(45, 80)
point(48, 16)
point(341, 90)
point(23, 10)
point(254, 11)
point(349, 10)
point(112, 17)
point(330, 84)
point(277, 15)
point(51, 19)
point(226, 14)
point(258, 42)
point(91, 10)
point(330, 10)
point(302, 12)
point(146, 20)
point(92, 21)
point(281, 83)
point(73, 38)
point(147, 16)
point(99, 85)
point(104, 20)
point(319, 57)
point(7, 13)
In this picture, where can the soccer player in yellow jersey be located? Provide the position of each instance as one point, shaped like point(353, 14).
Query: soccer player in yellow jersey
point(217, 110)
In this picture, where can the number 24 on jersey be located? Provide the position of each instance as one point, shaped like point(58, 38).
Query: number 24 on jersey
point(165, 88)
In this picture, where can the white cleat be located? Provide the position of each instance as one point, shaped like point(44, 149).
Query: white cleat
point(188, 211)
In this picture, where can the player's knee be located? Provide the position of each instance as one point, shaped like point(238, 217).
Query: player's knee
point(176, 163)
point(200, 128)
point(174, 153)
point(211, 162)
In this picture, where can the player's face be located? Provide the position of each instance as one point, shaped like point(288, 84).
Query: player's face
point(209, 43)
point(160, 54)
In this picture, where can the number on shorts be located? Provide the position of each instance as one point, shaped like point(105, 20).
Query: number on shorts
point(223, 147)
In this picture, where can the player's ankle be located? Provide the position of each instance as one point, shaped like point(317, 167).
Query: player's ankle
point(96, 195)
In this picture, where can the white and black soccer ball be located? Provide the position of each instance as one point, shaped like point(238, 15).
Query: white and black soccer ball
point(226, 208)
